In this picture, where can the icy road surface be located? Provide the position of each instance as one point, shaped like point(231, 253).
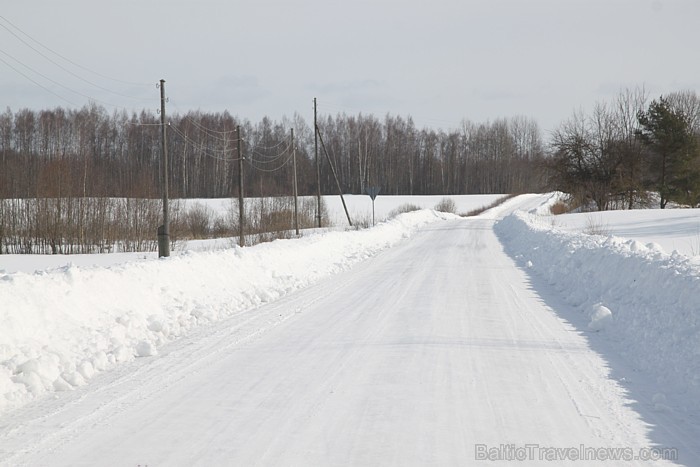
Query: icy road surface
point(434, 352)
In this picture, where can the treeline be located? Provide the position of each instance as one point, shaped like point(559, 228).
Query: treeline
point(495, 157)
point(625, 151)
point(89, 152)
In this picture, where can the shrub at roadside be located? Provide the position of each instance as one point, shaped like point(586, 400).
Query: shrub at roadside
point(446, 205)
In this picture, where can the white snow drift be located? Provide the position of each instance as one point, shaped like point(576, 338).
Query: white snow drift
point(644, 302)
point(58, 328)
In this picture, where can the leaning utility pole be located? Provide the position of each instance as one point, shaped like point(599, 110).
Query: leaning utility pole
point(296, 192)
point(241, 207)
point(335, 176)
point(164, 230)
point(318, 171)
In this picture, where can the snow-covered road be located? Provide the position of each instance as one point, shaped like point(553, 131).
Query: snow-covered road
point(437, 351)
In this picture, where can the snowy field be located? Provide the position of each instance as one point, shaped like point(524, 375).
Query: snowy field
point(630, 297)
point(670, 229)
point(360, 206)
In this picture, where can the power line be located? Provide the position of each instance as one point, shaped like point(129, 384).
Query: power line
point(38, 84)
point(262, 161)
point(202, 148)
point(213, 132)
point(209, 135)
point(271, 159)
point(263, 169)
point(61, 56)
point(209, 130)
point(264, 158)
point(55, 82)
point(70, 72)
point(255, 163)
point(258, 146)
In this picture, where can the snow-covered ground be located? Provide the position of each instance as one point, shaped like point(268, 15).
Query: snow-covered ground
point(321, 350)
point(671, 229)
point(360, 206)
point(59, 327)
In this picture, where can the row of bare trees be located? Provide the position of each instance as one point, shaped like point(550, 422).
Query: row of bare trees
point(620, 152)
point(77, 225)
point(494, 157)
point(90, 152)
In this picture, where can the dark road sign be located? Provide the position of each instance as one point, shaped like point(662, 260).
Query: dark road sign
point(373, 191)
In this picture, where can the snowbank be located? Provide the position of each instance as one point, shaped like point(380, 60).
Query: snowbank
point(58, 328)
point(643, 302)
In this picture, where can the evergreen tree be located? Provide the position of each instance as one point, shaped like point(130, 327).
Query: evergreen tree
point(673, 159)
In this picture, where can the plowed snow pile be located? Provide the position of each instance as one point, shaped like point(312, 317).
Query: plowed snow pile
point(58, 328)
point(643, 302)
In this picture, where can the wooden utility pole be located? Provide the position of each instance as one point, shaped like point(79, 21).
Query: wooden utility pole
point(296, 193)
point(241, 207)
point(164, 230)
point(318, 171)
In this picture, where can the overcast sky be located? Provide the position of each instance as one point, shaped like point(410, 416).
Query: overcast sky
point(440, 61)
